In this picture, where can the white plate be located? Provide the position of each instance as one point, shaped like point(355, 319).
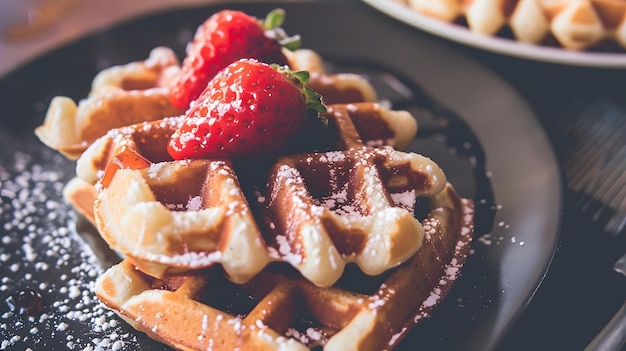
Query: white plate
point(464, 36)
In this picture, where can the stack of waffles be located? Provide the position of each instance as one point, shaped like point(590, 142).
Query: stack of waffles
point(320, 247)
point(574, 24)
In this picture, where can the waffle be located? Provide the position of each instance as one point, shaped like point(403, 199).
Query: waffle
point(280, 307)
point(276, 310)
point(326, 209)
point(137, 92)
point(336, 88)
point(573, 24)
point(140, 177)
point(119, 96)
point(152, 139)
point(315, 248)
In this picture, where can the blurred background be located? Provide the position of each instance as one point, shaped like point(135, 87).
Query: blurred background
point(30, 27)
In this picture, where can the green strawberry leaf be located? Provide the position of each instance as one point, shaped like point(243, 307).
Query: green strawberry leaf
point(314, 104)
point(314, 107)
point(290, 43)
point(271, 25)
point(274, 19)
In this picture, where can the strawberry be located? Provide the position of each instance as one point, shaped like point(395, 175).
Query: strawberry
point(124, 159)
point(225, 37)
point(249, 108)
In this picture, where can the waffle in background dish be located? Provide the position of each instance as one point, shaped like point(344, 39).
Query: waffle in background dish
point(573, 24)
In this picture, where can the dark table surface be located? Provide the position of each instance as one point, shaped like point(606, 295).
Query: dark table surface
point(581, 291)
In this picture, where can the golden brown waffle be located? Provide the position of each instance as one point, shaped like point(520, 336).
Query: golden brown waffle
point(337, 88)
point(138, 92)
point(120, 95)
point(276, 310)
point(393, 128)
point(194, 214)
point(326, 209)
point(298, 247)
point(280, 308)
point(575, 24)
point(178, 216)
point(150, 137)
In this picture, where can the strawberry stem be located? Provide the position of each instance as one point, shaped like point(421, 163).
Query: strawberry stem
point(314, 104)
point(274, 19)
point(290, 43)
point(313, 100)
point(271, 26)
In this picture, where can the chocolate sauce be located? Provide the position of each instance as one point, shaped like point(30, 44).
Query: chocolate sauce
point(26, 302)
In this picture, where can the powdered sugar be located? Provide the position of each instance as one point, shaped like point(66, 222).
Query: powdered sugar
point(190, 259)
point(41, 252)
point(405, 199)
point(194, 203)
point(310, 335)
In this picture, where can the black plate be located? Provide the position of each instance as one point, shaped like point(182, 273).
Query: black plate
point(473, 124)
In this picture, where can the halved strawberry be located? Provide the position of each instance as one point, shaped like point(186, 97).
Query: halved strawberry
point(249, 108)
point(225, 37)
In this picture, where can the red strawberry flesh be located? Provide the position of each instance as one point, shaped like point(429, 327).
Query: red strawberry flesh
point(225, 37)
point(248, 108)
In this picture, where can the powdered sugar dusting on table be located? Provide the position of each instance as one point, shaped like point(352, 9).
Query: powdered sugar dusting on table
point(41, 252)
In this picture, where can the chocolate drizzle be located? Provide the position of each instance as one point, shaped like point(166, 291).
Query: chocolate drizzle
point(26, 302)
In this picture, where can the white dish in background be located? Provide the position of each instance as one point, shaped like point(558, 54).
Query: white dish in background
point(510, 47)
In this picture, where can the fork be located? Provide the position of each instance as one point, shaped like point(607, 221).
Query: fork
point(596, 167)
point(613, 336)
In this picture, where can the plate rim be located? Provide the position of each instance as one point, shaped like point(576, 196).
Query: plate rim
point(498, 45)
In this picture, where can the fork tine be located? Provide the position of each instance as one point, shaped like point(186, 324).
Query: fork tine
point(596, 165)
point(608, 180)
point(600, 139)
point(618, 221)
point(612, 192)
point(621, 194)
point(600, 142)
